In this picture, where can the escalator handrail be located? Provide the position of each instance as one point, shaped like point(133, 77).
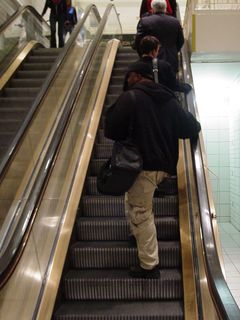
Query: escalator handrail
point(13, 147)
point(6, 24)
point(224, 301)
point(16, 245)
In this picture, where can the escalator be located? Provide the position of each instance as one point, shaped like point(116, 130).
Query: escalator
point(96, 284)
point(57, 199)
point(20, 92)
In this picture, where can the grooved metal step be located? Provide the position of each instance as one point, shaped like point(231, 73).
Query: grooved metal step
point(95, 206)
point(36, 66)
point(121, 310)
point(39, 74)
point(115, 284)
point(119, 254)
point(23, 83)
point(20, 92)
point(116, 229)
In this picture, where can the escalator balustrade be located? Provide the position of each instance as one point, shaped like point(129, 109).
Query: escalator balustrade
point(17, 97)
point(95, 282)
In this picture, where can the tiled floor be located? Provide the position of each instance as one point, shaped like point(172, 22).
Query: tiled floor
point(230, 239)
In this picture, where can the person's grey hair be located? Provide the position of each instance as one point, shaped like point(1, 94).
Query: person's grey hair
point(159, 6)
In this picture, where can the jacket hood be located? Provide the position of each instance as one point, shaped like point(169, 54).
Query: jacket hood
point(156, 91)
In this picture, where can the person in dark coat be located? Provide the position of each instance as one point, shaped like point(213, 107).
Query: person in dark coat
point(58, 15)
point(146, 8)
point(149, 48)
point(166, 29)
point(157, 122)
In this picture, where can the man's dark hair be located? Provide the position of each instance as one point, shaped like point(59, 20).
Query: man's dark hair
point(148, 44)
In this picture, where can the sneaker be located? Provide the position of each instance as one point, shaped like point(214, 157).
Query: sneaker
point(139, 272)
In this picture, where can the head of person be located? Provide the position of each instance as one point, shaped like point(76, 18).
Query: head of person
point(159, 6)
point(137, 72)
point(149, 45)
point(69, 3)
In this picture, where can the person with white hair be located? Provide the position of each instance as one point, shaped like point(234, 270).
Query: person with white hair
point(166, 29)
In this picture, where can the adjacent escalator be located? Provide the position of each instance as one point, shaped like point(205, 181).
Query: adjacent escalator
point(95, 282)
point(18, 95)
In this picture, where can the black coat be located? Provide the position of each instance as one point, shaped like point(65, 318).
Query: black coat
point(158, 121)
point(166, 75)
point(57, 10)
point(167, 30)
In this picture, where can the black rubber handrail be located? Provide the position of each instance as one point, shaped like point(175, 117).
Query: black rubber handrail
point(224, 302)
point(27, 209)
point(13, 147)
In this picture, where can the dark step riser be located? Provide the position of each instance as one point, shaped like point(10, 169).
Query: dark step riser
point(119, 231)
point(31, 74)
point(13, 114)
point(91, 258)
point(40, 59)
point(21, 92)
point(36, 66)
point(91, 188)
point(24, 83)
point(122, 289)
point(114, 206)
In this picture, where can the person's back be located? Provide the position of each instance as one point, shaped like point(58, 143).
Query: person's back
point(158, 122)
point(166, 29)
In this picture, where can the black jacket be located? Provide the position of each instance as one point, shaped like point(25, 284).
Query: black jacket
point(167, 30)
point(166, 76)
point(56, 9)
point(158, 121)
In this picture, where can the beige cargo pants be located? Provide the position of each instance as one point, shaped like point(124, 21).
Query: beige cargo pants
point(138, 208)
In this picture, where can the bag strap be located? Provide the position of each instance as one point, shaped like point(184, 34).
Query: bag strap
point(155, 69)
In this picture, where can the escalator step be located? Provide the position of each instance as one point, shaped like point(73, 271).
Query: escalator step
point(20, 92)
point(111, 229)
point(102, 151)
point(115, 89)
point(36, 66)
point(116, 284)
point(46, 51)
point(117, 80)
point(10, 125)
point(119, 254)
point(24, 83)
point(41, 59)
point(112, 310)
point(111, 98)
point(96, 206)
point(120, 71)
point(124, 63)
point(11, 102)
point(6, 138)
point(17, 113)
point(29, 74)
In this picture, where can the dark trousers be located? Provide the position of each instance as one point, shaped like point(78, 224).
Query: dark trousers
point(53, 21)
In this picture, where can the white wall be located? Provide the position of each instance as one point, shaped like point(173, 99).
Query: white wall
point(217, 86)
point(216, 31)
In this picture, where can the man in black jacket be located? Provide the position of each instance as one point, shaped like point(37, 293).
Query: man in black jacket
point(157, 122)
point(166, 29)
point(149, 48)
point(58, 15)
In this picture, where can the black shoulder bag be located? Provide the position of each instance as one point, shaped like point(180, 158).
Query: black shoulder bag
point(118, 174)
